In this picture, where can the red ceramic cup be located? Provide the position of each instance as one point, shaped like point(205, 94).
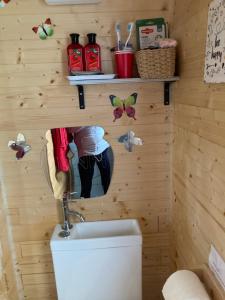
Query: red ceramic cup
point(124, 63)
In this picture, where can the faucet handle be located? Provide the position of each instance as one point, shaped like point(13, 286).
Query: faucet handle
point(71, 194)
point(67, 196)
point(67, 226)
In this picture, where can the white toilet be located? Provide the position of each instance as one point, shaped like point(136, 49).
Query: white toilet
point(99, 261)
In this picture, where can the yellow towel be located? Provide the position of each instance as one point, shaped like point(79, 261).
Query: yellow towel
point(58, 179)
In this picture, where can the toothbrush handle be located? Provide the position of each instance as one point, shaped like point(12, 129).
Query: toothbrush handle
point(130, 30)
point(129, 36)
point(118, 40)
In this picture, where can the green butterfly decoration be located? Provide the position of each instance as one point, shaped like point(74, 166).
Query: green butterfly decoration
point(45, 30)
point(123, 106)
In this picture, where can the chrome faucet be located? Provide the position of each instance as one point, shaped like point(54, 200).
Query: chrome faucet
point(68, 212)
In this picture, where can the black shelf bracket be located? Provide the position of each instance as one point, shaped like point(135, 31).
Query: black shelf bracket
point(81, 96)
point(167, 93)
point(80, 89)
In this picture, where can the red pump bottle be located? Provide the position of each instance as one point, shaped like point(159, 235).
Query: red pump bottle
point(75, 55)
point(92, 54)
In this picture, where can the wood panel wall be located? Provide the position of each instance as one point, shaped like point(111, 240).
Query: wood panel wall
point(8, 284)
point(199, 144)
point(36, 96)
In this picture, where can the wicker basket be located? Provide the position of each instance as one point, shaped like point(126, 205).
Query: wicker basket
point(157, 63)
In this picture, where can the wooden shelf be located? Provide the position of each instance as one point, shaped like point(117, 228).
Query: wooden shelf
point(81, 83)
point(73, 81)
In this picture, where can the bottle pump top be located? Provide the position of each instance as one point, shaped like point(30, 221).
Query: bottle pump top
point(91, 38)
point(75, 38)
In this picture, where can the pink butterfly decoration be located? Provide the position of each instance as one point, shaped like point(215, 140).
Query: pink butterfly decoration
point(19, 146)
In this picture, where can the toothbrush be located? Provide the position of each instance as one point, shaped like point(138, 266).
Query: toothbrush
point(130, 27)
point(117, 29)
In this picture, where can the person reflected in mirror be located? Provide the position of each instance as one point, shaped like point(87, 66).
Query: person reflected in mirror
point(92, 149)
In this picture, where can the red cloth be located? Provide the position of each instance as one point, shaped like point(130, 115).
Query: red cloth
point(61, 147)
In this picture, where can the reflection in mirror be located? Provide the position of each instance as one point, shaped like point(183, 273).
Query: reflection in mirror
point(80, 161)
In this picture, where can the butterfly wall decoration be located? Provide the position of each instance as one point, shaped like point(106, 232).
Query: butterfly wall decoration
point(124, 106)
point(20, 146)
point(3, 3)
point(130, 140)
point(44, 30)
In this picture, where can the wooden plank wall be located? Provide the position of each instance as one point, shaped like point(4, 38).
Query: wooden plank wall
point(35, 96)
point(199, 148)
point(8, 286)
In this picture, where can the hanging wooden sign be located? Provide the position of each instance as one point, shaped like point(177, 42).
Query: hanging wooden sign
point(215, 45)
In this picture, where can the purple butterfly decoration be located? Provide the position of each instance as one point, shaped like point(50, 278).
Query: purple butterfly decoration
point(19, 146)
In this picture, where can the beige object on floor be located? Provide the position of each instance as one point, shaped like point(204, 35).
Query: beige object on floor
point(205, 276)
point(184, 285)
point(58, 179)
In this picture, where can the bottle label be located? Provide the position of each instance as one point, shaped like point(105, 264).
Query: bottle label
point(93, 60)
point(75, 60)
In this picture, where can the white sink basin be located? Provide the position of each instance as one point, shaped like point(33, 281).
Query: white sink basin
point(98, 234)
point(98, 261)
